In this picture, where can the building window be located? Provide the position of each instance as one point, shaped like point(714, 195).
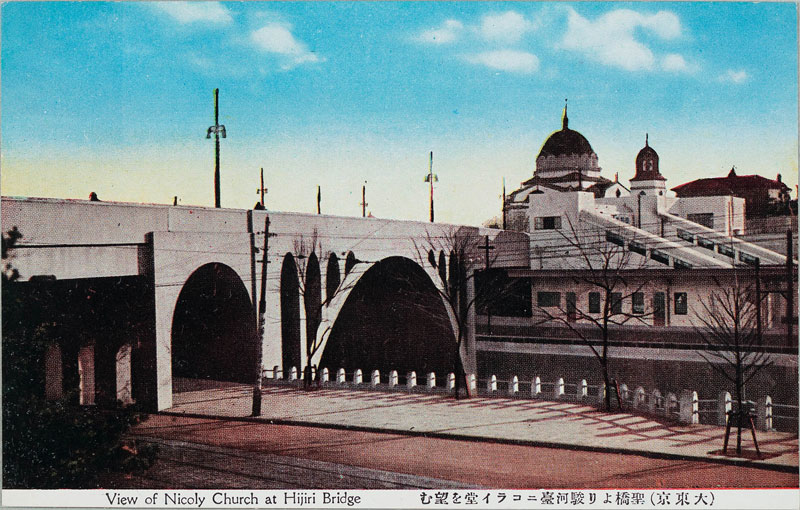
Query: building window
point(548, 299)
point(686, 236)
point(705, 219)
point(594, 302)
point(705, 243)
point(616, 302)
point(681, 303)
point(572, 307)
point(547, 222)
point(613, 238)
point(637, 248)
point(725, 250)
point(637, 303)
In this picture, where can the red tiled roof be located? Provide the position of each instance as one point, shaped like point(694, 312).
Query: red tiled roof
point(731, 185)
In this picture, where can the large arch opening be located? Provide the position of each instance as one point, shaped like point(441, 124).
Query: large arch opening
point(333, 278)
point(393, 319)
point(213, 328)
point(312, 300)
point(290, 315)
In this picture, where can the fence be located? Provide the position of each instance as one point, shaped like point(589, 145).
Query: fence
point(685, 407)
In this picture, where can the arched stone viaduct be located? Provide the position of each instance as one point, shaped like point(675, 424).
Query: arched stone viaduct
point(339, 291)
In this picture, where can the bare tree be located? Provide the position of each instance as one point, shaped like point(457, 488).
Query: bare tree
point(457, 258)
point(727, 324)
point(602, 261)
point(310, 290)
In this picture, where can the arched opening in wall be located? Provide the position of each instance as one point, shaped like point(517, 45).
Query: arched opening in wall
point(53, 373)
point(312, 300)
point(393, 319)
point(443, 267)
point(349, 263)
point(213, 328)
point(332, 278)
point(290, 315)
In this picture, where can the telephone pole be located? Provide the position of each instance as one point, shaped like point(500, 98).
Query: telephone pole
point(262, 309)
point(319, 200)
point(431, 178)
point(262, 189)
point(217, 129)
point(364, 200)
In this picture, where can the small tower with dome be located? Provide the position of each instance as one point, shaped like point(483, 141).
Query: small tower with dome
point(648, 180)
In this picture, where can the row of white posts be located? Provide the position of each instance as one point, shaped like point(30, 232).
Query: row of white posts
point(685, 407)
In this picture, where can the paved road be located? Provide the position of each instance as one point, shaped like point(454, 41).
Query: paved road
point(215, 453)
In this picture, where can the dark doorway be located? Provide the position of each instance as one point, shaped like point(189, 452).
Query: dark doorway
point(213, 328)
point(393, 319)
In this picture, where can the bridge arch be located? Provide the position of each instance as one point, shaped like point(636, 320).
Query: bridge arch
point(393, 318)
point(213, 326)
point(312, 300)
point(333, 278)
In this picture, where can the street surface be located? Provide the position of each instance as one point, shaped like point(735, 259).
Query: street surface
point(222, 453)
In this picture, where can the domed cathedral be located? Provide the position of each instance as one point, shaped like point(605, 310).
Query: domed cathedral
point(566, 162)
point(648, 179)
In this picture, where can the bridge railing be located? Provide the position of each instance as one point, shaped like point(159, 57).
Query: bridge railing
point(684, 407)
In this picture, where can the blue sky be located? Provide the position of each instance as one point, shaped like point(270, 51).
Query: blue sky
point(116, 97)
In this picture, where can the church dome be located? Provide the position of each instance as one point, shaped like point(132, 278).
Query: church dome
point(565, 142)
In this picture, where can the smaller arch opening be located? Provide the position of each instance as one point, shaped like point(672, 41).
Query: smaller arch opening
point(333, 278)
point(349, 263)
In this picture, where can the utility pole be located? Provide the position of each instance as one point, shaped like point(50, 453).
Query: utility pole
point(319, 200)
point(262, 309)
point(262, 189)
point(431, 178)
point(364, 200)
point(487, 247)
point(790, 294)
point(504, 203)
point(217, 129)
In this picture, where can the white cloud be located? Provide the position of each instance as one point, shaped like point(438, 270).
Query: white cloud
point(277, 39)
point(674, 62)
point(195, 12)
point(507, 60)
point(447, 33)
point(508, 27)
point(735, 76)
point(610, 39)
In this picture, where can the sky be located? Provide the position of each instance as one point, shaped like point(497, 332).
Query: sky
point(116, 98)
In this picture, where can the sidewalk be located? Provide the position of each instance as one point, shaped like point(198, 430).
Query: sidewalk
point(518, 421)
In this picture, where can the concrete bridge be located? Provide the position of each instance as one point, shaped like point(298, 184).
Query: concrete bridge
point(158, 292)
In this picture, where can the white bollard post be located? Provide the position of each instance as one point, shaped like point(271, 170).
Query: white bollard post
point(491, 384)
point(325, 375)
point(393, 378)
point(623, 392)
point(376, 377)
point(558, 392)
point(583, 389)
point(431, 382)
point(340, 376)
point(764, 413)
point(411, 379)
point(536, 386)
point(688, 407)
point(639, 398)
point(451, 381)
point(655, 402)
point(724, 406)
point(513, 388)
point(473, 384)
point(358, 377)
point(293, 374)
point(671, 404)
point(276, 370)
